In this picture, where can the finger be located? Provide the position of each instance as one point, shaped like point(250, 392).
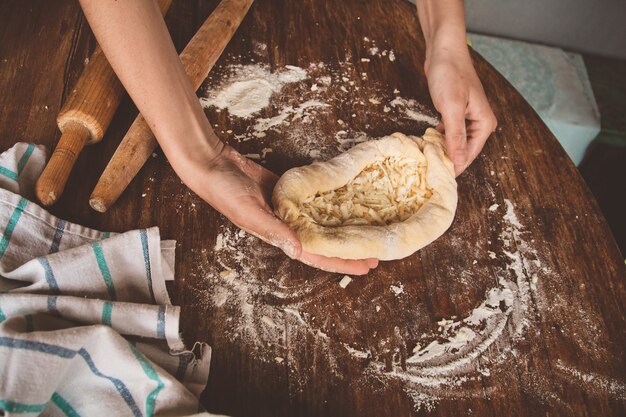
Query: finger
point(262, 223)
point(371, 262)
point(453, 118)
point(278, 234)
point(482, 122)
point(268, 181)
point(477, 135)
point(336, 265)
point(264, 177)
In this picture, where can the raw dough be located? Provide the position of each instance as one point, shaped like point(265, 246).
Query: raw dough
point(384, 199)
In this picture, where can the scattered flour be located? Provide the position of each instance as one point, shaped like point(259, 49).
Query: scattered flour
point(414, 110)
point(289, 120)
point(359, 354)
point(449, 360)
point(597, 382)
point(397, 289)
point(272, 315)
point(249, 88)
point(287, 112)
point(375, 51)
point(446, 364)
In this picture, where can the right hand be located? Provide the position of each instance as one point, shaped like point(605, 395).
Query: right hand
point(456, 91)
point(241, 190)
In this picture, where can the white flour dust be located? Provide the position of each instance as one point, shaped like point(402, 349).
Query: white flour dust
point(286, 113)
point(409, 107)
point(273, 315)
point(374, 51)
point(249, 88)
point(440, 367)
point(319, 94)
point(596, 382)
point(450, 363)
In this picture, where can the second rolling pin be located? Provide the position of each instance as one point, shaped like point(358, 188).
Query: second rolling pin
point(83, 120)
point(198, 57)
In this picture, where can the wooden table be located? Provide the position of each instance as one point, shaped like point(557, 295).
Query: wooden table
point(528, 249)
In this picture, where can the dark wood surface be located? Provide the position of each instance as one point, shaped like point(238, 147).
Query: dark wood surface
point(286, 338)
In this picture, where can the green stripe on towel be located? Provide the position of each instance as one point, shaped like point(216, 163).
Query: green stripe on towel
point(104, 269)
point(24, 159)
point(8, 173)
point(15, 407)
point(107, 308)
point(151, 373)
point(8, 231)
point(64, 405)
point(20, 164)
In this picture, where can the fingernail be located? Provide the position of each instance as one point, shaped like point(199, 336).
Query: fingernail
point(290, 249)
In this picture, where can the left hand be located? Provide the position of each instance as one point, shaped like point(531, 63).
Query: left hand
point(458, 95)
point(241, 190)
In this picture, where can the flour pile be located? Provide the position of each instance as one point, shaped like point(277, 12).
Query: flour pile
point(250, 87)
point(282, 110)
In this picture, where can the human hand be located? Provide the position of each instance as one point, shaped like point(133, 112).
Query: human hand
point(241, 189)
point(458, 95)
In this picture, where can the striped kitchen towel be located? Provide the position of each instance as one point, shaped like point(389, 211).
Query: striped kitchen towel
point(86, 324)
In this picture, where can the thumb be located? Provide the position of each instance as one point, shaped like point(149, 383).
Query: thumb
point(269, 228)
point(453, 117)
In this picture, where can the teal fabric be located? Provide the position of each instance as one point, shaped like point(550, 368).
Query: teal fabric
point(555, 84)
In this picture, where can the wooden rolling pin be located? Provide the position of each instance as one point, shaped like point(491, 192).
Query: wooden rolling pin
point(83, 120)
point(198, 57)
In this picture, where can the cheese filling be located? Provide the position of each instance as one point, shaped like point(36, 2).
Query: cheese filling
point(388, 191)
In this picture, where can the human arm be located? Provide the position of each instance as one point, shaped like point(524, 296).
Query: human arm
point(137, 44)
point(454, 86)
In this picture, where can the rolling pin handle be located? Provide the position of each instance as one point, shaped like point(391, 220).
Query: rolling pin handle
point(51, 183)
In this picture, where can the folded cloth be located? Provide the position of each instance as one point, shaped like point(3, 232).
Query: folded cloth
point(86, 324)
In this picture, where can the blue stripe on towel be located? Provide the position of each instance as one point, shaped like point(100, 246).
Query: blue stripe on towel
point(183, 363)
point(58, 234)
point(52, 305)
point(161, 323)
point(146, 260)
point(50, 279)
point(42, 347)
point(121, 388)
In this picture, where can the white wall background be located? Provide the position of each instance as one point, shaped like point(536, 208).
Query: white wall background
point(593, 26)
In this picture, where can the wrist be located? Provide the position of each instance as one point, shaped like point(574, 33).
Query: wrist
point(446, 33)
point(450, 45)
point(190, 161)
